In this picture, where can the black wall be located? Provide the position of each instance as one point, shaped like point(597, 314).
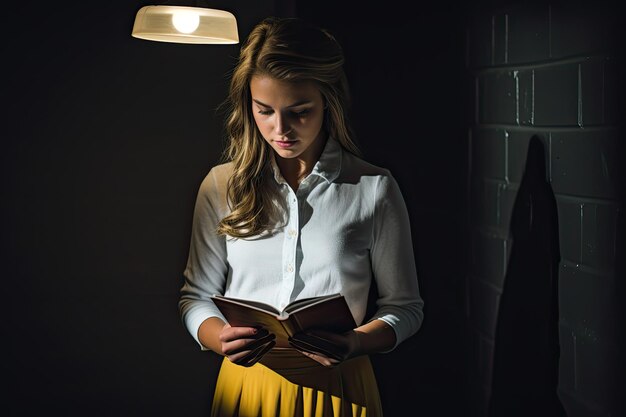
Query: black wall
point(408, 80)
point(105, 139)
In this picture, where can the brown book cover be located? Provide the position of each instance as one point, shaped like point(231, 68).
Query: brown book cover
point(328, 312)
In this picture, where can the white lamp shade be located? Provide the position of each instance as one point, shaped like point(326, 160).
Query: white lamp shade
point(182, 24)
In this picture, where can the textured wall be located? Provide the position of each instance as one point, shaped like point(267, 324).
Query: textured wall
point(550, 76)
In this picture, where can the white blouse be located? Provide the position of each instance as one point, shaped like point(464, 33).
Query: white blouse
point(347, 227)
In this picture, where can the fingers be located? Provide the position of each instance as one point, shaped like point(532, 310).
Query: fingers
point(235, 339)
point(257, 354)
point(230, 333)
point(250, 357)
point(246, 345)
point(322, 359)
point(317, 345)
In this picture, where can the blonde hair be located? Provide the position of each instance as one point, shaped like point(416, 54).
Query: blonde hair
point(286, 49)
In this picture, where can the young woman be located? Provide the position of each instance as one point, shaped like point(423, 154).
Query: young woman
point(295, 212)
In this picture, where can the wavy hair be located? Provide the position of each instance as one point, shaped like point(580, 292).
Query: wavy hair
point(287, 49)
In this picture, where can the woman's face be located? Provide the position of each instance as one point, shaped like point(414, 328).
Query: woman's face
point(289, 116)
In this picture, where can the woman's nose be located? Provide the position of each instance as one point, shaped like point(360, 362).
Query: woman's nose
point(282, 125)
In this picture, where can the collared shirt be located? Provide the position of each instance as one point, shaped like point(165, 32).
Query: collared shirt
point(346, 228)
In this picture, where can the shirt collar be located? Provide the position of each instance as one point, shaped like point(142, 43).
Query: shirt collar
point(277, 175)
point(328, 166)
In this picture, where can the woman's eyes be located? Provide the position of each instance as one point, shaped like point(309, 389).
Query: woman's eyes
point(300, 113)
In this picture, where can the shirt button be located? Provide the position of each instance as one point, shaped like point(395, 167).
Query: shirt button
point(289, 268)
point(292, 233)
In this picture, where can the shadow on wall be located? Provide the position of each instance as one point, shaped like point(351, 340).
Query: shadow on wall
point(618, 377)
point(526, 356)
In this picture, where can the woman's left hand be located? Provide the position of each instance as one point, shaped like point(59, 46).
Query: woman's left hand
point(327, 348)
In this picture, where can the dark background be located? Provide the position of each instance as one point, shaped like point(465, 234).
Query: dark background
point(105, 141)
point(409, 85)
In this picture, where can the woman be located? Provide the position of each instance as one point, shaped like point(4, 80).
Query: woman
point(295, 212)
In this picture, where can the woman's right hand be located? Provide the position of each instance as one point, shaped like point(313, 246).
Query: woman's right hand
point(245, 346)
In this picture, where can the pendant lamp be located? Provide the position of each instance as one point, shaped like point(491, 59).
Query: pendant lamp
point(185, 24)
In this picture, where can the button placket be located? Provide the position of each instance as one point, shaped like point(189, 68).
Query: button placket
point(290, 242)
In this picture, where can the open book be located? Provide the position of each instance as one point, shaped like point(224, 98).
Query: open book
point(328, 312)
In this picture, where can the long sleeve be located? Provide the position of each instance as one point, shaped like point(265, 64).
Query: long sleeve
point(393, 263)
point(206, 270)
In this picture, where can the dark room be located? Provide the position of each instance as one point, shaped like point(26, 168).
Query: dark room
point(498, 125)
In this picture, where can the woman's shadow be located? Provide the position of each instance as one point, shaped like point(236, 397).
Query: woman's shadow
point(526, 355)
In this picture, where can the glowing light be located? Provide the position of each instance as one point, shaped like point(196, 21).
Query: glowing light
point(183, 24)
point(185, 21)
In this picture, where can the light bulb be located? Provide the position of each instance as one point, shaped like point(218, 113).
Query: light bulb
point(185, 21)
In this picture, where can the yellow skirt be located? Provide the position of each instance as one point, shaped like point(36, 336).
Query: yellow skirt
point(288, 384)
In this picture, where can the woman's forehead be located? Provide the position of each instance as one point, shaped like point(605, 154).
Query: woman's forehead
point(271, 89)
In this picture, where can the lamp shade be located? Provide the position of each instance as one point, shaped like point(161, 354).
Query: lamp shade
point(182, 24)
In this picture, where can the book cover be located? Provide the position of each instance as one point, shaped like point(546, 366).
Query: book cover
point(329, 312)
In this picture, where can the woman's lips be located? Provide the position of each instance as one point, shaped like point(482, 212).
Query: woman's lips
point(285, 143)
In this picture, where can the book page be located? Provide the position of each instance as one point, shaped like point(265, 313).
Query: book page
point(252, 303)
point(305, 302)
point(327, 313)
point(241, 314)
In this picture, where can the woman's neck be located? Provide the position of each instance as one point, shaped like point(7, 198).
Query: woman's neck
point(294, 170)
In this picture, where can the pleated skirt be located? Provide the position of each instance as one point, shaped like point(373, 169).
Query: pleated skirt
point(288, 384)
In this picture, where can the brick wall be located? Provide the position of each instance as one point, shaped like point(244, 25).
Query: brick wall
point(551, 72)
